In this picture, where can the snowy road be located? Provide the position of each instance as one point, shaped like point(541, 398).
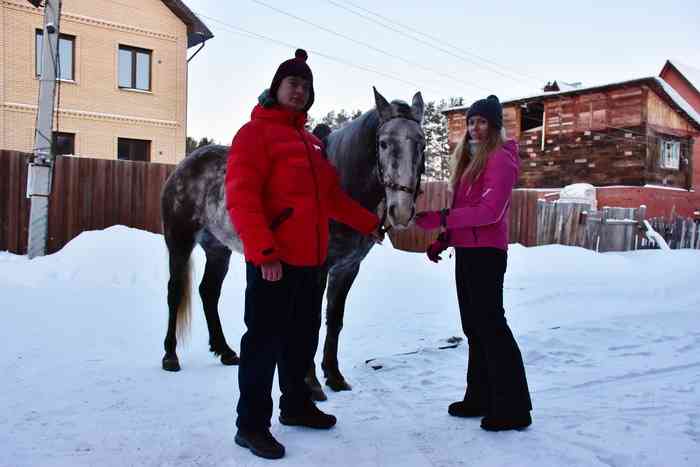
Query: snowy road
point(611, 346)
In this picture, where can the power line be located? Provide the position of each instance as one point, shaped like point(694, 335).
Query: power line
point(561, 98)
point(421, 41)
point(439, 41)
point(433, 38)
point(245, 32)
point(369, 46)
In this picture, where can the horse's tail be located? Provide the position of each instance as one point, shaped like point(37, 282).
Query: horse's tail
point(184, 309)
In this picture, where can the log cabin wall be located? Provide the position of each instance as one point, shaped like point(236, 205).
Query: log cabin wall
point(596, 137)
point(665, 124)
point(607, 136)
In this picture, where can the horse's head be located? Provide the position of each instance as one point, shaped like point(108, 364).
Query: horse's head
point(400, 155)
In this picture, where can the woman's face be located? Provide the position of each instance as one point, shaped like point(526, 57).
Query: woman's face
point(293, 93)
point(478, 128)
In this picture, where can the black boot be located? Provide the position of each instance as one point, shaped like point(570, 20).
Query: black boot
point(500, 423)
point(466, 408)
point(260, 442)
point(309, 416)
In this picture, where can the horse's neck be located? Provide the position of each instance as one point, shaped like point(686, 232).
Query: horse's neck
point(356, 159)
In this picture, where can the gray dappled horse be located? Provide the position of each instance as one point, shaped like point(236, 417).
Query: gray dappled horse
point(380, 160)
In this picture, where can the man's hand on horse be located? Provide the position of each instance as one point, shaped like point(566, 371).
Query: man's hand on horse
point(272, 271)
point(377, 235)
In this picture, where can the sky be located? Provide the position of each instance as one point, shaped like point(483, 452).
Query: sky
point(441, 48)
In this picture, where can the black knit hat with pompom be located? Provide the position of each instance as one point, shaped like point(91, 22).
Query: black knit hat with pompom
point(489, 108)
point(294, 67)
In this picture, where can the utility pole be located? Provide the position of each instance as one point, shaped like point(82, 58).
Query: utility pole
point(41, 166)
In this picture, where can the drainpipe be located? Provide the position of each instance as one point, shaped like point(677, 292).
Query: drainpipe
point(199, 49)
point(187, 85)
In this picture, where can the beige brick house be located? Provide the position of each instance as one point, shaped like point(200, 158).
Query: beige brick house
point(123, 86)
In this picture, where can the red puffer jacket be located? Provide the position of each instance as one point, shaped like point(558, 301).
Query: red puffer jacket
point(281, 191)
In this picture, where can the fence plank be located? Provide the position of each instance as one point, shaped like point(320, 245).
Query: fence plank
point(24, 207)
point(13, 205)
point(531, 207)
point(56, 206)
point(97, 213)
point(4, 197)
point(125, 193)
point(85, 185)
point(138, 195)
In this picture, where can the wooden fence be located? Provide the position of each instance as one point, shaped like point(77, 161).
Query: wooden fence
point(609, 229)
point(534, 221)
point(679, 232)
point(92, 194)
point(522, 225)
point(88, 194)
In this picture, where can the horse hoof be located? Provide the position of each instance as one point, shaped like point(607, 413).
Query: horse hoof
point(171, 364)
point(230, 358)
point(318, 395)
point(338, 385)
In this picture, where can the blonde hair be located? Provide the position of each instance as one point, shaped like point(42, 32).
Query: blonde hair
point(464, 164)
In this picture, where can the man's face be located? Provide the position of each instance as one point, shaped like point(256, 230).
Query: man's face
point(293, 93)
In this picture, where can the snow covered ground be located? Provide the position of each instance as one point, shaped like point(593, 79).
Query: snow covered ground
point(611, 344)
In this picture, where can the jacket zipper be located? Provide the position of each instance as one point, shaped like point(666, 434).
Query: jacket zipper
point(318, 200)
point(469, 190)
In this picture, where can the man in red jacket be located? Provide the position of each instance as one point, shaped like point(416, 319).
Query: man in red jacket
point(281, 193)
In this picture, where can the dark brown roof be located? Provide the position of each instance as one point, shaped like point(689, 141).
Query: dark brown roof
point(197, 31)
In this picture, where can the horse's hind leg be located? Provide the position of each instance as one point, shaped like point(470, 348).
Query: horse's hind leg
point(218, 257)
point(339, 284)
point(179, 292)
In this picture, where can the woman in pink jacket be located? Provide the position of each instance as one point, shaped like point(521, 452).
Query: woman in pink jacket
point(484, 172)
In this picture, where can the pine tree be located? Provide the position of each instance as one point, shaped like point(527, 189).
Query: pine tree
point(329, 119)
point(191, 143)
point(437, 157)
point(336, 120)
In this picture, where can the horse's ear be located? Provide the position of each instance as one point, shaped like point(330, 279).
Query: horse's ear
point(382, 105)
point(417, 107)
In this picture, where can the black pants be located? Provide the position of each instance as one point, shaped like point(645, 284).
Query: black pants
point(283, 320)
point(495, 373)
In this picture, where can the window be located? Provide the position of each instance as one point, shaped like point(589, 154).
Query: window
point(531, 116)
point(134, 68)
point(63, 143)
point(66, 55)
point(133, 150)
point(670, 154)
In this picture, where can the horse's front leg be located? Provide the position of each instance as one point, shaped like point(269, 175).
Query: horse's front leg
point(339, 284)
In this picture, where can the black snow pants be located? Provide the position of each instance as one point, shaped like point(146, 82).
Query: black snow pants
point(495, 373)
point(283, 319)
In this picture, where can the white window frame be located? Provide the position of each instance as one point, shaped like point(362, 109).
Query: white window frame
point(670, 154)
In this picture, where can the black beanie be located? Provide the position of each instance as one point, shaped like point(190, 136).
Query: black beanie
point(489, 108)
point(294, 67)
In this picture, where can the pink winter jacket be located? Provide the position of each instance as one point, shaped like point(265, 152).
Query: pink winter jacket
point(479, 213)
